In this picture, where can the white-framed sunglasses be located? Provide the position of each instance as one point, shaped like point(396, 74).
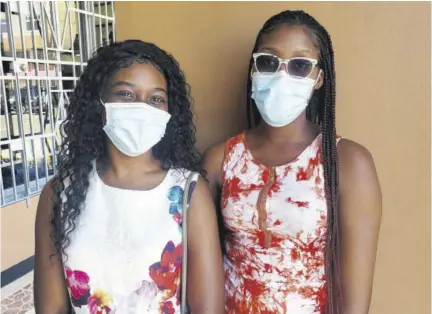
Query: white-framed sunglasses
point(299, 67)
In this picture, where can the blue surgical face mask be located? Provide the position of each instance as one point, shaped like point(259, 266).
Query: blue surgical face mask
point(134, 128)
point(281, 98)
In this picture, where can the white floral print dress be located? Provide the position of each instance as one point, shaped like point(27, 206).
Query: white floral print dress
point(125, 254)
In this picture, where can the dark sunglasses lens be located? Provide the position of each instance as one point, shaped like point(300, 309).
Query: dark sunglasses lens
point(300, 67)
point(267, 64)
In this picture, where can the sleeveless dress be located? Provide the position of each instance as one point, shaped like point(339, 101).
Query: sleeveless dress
point(125, 254)
point(277, 217)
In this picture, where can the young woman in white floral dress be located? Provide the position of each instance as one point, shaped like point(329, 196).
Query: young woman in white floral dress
point(109, 224)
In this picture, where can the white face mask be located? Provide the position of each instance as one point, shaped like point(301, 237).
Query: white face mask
point(280, 98)
point(134, 128)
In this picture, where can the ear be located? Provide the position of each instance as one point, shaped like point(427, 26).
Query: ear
point(320, 80)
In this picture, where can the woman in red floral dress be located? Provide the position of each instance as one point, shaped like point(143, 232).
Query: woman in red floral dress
point(302, 207)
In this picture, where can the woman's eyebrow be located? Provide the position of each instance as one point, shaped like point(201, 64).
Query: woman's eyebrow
point(161, 90)
point(124, 83)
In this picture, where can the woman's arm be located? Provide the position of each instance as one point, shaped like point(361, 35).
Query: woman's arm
point(360, 219)
point(205, 285)
point(50, 292)
point(213, 160)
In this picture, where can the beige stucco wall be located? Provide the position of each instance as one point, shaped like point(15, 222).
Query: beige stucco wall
point(17, 232)
point(383, 75)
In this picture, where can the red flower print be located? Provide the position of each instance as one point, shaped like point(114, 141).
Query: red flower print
point(99, 302)
point(232, 189)
point(167, 308)
point(178, 218)
point(78, 283)
point(320, 298)
point(299, 204)
point(305, 174)
point(166, 273)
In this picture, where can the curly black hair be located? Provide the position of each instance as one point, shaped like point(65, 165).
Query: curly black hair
point(321, 111)
point(84, 140)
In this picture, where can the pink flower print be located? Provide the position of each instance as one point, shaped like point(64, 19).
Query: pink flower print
point(78, 284)
point(167, 308)
point(99, 302)
point(178, 218)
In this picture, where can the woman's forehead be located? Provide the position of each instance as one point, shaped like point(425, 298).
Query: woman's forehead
point(288, 42)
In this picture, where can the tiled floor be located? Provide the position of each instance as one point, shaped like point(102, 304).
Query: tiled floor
point(19, 302)
point(17, 297)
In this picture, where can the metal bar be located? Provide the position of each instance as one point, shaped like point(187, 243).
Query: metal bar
point(50, 109)
point(41, 28)
point(35, 165)
point(51, 61)
point(90, 13)
point(60, 115)
point(29, 98)
point(20, 199)
point(113, 20)
point(40, 78)
point(72, 38)
point(6, 114)
point(59, 67)
point(54, 37)
point(42, 110)
point(55, 49)
point(101, 38)
point(30, 137)
point(64, 28)
point(33, 151)
point(41, 107)
point(80, 39)
point(36, 61)
point(43, 140)
point(56, 24)
point(92, 22)
point(6, 109)
point(106, 23)
point(18, 162)
point(14, 187)
point(66, 99)
point(23, 43)
point(64, 90)
point(48, 20)
point(84, 33)
point(105, 12)
point(30, 107)
point(19, 110)
point(7, 164)
point(2, 198)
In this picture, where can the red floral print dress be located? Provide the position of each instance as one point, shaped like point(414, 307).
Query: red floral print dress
point(278, 216)
point(125, 255)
